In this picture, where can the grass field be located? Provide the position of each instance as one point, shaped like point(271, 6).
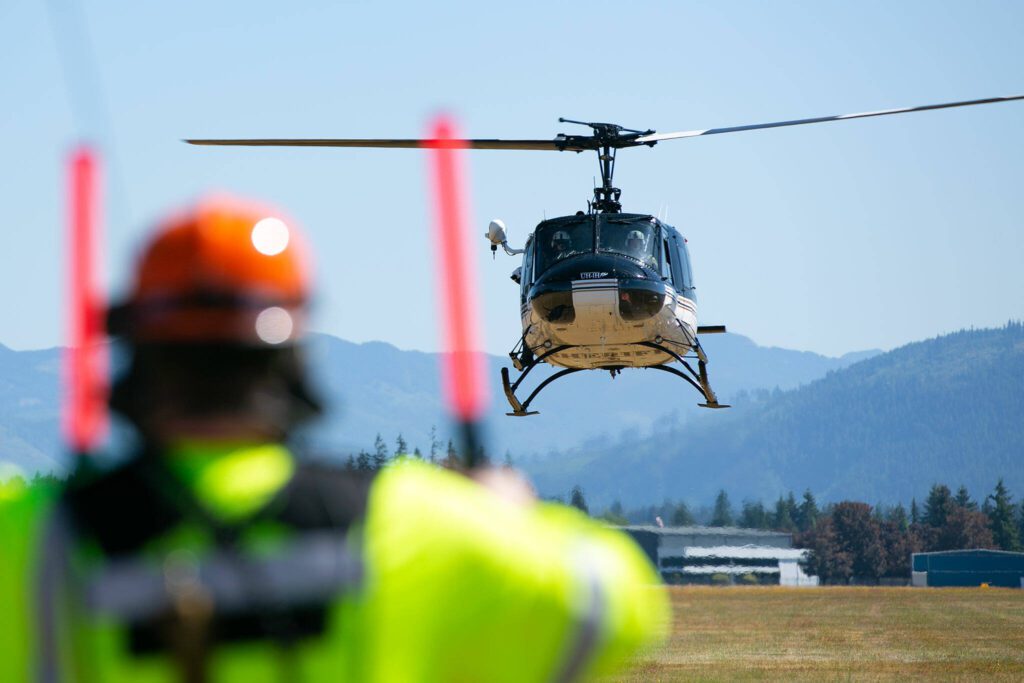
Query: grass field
point(856, 634)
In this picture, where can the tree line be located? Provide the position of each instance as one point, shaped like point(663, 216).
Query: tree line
point(855, 542)
point(851, 540)
point(787, 514)
point(438, 452)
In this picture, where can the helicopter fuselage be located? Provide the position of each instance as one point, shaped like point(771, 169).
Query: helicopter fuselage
point(609, 287)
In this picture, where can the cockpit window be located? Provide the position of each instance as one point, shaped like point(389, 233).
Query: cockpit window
point(559, 241)
point(638, 239)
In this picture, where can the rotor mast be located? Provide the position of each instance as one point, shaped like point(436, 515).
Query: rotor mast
point(606, 140)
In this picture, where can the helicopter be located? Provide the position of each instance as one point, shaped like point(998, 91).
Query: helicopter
point(601, 289)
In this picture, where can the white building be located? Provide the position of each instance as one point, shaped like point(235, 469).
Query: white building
point(696, 554)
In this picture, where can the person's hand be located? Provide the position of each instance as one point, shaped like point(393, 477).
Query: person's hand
point(506, 483)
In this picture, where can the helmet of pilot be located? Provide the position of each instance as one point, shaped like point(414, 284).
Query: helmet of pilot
point(635, 240)
point(561, 241)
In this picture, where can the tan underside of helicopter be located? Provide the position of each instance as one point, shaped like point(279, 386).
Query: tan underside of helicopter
point(596, 303)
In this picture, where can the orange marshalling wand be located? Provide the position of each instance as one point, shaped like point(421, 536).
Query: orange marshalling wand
point(85, 362)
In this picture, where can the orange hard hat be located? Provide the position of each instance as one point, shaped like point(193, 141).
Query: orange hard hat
point(224, 271)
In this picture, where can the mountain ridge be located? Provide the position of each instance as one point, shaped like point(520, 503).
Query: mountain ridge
point(375, 388)
point(947, 409)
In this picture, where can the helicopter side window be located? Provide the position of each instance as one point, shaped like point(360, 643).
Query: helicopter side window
point(636, 239)
point(560, 241)
point(666, 270)
point(683, 261)
point(526, 277)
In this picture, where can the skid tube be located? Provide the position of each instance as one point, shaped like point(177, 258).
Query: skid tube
point(698, 380)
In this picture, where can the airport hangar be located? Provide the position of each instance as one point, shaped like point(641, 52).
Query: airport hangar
point(697, 554)
point(968, 568)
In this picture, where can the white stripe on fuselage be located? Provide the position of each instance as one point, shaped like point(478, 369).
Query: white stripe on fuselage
point(603, 338)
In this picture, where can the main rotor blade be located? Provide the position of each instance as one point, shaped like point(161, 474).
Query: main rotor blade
point(657, 137)
point(555, 145)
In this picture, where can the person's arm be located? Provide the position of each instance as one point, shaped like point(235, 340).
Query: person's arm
point(465, 586)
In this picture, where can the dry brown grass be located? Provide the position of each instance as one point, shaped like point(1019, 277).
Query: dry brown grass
point(855, 634)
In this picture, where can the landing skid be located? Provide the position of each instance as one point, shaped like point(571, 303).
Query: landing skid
point(521, 409)
point(701, 375)
point(697, 379)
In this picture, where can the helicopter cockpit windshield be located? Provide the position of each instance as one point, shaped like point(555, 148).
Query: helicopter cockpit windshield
point(635, 238)
point(560, 240)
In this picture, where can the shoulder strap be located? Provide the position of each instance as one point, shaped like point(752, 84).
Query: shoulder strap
point(320, 496)
point(141, 500)
point(119, 509)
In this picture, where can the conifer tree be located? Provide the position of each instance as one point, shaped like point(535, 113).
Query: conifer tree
point(416, 453)
point(963, 499)
point(792, 508)
point(578, 500)
point(807, 513)
point(681, 515)
point(1005, 532)
point(915, 515)
point(363, 462)
point(1020, 523)
point(722, 516)
point(380, 453)
point(401, 447)
point(435, 445)
point(898, 515)
point(938, 506)
point(783, 519)
point(753, 515)
point(615, 515)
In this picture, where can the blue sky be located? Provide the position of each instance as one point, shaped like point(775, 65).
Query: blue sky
point(829, 238)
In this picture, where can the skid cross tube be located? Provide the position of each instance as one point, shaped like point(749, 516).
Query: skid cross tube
point(675, 355)
point(537, 361)
point(678, 373)
point(549, 380)
point(520, 409)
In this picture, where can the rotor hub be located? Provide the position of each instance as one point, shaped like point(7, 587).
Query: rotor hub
point(607, 139)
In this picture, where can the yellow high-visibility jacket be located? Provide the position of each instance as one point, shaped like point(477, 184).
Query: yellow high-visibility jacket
point(453, 585)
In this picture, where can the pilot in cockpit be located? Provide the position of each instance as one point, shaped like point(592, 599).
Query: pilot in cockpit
point(636, 246)
point(561, 244)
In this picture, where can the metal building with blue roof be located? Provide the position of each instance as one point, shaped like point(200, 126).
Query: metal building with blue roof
point(968, 568)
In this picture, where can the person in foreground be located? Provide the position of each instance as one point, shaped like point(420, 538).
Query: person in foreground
point(217, 553)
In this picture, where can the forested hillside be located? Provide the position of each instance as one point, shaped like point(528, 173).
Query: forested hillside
point(948, 409)
point(29, 425)
point(375, 388)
